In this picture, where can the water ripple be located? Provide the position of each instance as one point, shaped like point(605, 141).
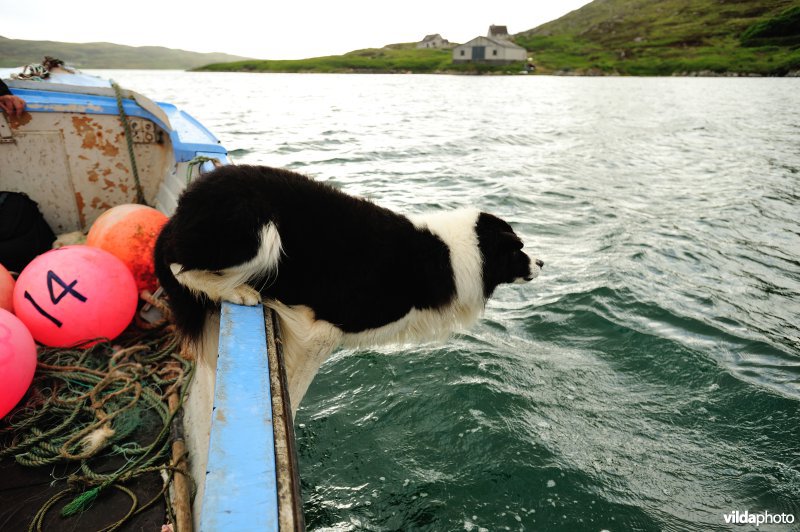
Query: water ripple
point(648, 380)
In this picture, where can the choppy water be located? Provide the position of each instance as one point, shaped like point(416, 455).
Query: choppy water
point(649, 379)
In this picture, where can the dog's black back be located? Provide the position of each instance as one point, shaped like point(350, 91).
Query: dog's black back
point(356, 264)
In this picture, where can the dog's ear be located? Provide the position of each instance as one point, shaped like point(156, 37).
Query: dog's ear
point(509, 240)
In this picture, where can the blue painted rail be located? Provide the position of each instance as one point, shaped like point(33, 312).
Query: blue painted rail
point(241, 486)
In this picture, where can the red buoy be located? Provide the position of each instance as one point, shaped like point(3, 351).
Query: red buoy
point(6, 290)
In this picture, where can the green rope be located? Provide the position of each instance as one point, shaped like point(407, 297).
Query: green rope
point(77, 392)
point(197, 161)
point(81, 502)
point(123, 117)
point(38, 519)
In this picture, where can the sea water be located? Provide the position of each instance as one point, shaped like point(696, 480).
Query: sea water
point(649, 379)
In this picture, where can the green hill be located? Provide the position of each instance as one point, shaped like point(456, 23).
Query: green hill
point(397, 58)
point(393, 58)
point(646, 37)
point(17, 52)
point(629, 37)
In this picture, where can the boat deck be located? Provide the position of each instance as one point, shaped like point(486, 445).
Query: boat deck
point(26, 490)
point(127, 394)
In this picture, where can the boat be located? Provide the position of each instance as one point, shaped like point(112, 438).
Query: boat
point(83, 145)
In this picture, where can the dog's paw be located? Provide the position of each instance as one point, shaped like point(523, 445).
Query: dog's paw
point(244, 295)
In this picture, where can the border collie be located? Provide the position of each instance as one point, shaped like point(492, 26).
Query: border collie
point(339, 270)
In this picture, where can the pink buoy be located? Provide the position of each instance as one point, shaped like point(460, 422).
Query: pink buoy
point(75, 294)
point(17, 361)
point(6, 290)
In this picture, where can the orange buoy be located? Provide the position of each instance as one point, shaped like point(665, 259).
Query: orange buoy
point(6, 290)
point(129, 233)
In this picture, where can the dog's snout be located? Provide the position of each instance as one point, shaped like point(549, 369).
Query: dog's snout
point(540, 263)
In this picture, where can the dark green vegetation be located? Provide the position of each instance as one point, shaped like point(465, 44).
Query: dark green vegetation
point(782, 29)
point(395, 58)
point(16, 52)
point(642, 37)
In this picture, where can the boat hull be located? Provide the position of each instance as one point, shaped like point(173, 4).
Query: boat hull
point(71, 153)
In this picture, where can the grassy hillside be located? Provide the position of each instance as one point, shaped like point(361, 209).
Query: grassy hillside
point(393, 58)
point(17, 52)
point(631, 37)
point(646, 37)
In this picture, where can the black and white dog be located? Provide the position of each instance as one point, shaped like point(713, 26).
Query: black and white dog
point(338, 270)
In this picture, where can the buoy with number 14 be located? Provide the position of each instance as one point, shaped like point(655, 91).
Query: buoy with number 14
point(74, 295)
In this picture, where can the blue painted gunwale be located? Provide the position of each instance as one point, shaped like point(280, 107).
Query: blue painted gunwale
point(241, 481)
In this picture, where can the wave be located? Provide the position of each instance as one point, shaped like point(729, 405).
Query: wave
point(625, 325)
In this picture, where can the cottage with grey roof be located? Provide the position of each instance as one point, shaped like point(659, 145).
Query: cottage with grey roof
point(434, 41)
point(496, 48)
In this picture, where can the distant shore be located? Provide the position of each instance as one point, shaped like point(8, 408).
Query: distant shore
point(507, 72)
point(694, 74)
point(407, 59)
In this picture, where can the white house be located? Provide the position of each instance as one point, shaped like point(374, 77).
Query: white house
point(492, 49)
point(433, 41)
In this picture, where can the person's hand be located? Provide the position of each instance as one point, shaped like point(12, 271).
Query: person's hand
point(12, 105)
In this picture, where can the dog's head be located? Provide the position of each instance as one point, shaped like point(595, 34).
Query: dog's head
point(503, 258)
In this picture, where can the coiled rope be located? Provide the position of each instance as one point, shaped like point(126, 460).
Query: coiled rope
point(85, 406)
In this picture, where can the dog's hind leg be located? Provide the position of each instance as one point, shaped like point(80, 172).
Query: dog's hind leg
point(307, 343)
point(230, 284)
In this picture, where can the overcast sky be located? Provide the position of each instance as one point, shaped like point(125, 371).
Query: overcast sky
point(277, 29)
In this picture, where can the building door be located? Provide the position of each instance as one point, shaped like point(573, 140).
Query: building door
point(478, 53)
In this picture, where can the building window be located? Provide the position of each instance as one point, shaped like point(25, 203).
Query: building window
point(462, 52)
point(494, 52)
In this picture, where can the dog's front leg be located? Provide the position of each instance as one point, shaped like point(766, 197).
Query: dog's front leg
point(230, 283)
point(217, 286)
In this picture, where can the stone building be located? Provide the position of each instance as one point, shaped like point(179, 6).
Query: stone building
point(434, 41)
point(496, 48)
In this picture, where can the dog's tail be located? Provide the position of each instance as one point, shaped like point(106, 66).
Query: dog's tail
point(188, 310)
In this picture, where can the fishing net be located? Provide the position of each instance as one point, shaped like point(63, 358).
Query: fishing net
point(99, 420)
